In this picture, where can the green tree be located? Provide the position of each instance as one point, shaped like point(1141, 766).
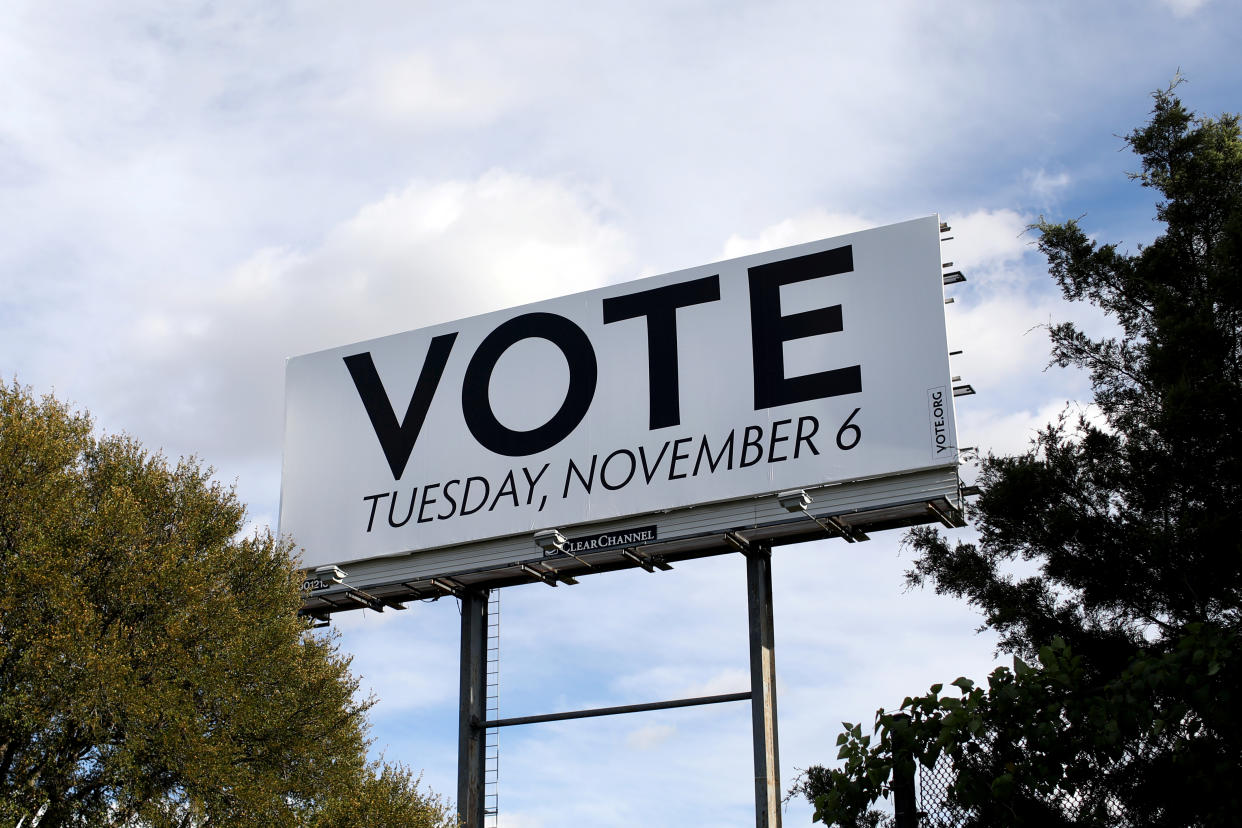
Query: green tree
point(1129, 520)
point(153, 669)
point(389, 796)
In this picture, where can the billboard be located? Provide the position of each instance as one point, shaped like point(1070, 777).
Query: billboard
point(818, 364)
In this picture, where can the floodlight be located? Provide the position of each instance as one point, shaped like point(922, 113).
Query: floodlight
point(550, 540)
point(330, 574)
point(794, 500)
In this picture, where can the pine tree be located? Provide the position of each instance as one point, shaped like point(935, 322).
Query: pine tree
point(1125, 639)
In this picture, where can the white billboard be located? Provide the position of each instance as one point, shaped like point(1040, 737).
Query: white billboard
point(820, 363)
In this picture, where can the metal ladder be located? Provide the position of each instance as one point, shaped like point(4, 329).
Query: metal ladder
point(491, 745)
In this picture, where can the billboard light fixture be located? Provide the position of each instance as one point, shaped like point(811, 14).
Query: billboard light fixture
point(330, 574)
point(953, 277)
point(550, 540)
point(796, 500)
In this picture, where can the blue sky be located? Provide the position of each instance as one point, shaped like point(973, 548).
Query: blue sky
point(194, 192)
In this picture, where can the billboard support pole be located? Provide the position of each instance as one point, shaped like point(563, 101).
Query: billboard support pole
point(763, 686)
point(471, 757)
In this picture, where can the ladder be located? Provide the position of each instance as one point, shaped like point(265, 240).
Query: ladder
point(491, 745)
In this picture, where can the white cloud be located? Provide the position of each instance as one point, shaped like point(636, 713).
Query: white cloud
point(397, 656)
point(1010, 432)
point(429, 253)
point(988, 240)
point(468, 82)
point(416, 89)
point(1002, 336)
point(1007, 432)
point(812, 225)
point(1046, 187)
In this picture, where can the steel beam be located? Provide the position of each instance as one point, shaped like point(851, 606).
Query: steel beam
point(471, 757)
point(763, 686)
point(614, 711)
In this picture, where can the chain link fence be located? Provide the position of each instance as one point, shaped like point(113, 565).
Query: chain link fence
point(1082, 807)
point(936, 810)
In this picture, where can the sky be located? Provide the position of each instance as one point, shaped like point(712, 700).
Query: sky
point(194, 192)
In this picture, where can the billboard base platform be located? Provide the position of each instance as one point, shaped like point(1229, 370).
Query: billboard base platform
point(651, 541)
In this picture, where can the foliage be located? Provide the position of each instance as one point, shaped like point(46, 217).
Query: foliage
point(1128, 520)
point(1045, 746)
point(153, 670)
point(389, 797)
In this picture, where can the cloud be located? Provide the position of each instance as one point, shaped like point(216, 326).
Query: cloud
point(399, 657)
point(417, 89)
point(468, 82)
point(428, 253)
point(1046, 187)
point(810, 226)
point(990, 241)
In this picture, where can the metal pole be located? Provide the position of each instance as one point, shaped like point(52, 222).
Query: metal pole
point(905, 806)
point(613, 711)
point(472, 712)
point(763, 687)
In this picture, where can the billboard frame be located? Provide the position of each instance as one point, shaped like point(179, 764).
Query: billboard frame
point(909, 481)
point(933, 496)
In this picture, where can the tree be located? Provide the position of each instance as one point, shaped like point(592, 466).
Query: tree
point(153, 669)
point(1126, 640)
point(389, 797)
